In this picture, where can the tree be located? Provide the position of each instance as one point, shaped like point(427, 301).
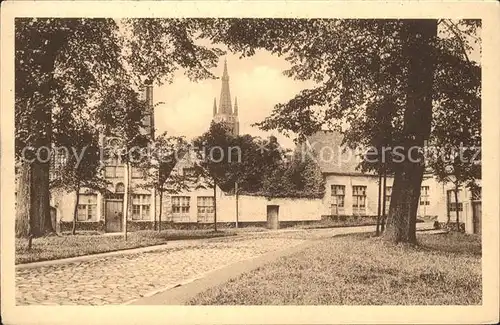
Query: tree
point(217, 161)
point(356, 62)
point(299, 177)
point(157, 169)
point(68, 64)
point(80, 164)
point(60, 64)
point(455, 150)
point(122, 116)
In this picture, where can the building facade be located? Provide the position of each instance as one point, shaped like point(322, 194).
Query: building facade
point(350, 192)
point(106, 211)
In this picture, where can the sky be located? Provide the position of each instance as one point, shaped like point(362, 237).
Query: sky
point(257, 81)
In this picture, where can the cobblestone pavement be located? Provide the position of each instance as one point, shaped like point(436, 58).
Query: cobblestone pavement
point(118, 279)
point(122, 278)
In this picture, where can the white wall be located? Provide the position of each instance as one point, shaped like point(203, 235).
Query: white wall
point(254, 208)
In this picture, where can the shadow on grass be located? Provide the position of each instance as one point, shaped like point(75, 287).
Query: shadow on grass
point(445, 243)
point(451, 243)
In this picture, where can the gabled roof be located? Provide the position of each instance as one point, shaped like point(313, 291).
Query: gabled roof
point(331, 156)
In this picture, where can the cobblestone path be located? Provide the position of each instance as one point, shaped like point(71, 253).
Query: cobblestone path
point(118, 279)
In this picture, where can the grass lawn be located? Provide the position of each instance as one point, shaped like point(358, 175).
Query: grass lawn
point(56, 247)
point(363, 270)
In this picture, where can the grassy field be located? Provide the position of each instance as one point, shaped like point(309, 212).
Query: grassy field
point(56, 247)
point(363, 270)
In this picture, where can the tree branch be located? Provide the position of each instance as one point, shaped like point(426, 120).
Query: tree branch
point(452, 28)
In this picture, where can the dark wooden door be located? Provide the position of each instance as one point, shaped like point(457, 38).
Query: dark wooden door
point(273, 217)
point(114, 216)
point(476, 216)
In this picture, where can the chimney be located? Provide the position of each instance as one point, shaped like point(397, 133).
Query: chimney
point(149, 102)
point(149, 93)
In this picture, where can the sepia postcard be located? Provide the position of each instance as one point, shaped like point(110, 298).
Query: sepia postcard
point(250, 162)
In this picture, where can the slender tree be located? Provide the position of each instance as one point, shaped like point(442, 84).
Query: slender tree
point(159, 166)
point(77, 162)
point(122, 116)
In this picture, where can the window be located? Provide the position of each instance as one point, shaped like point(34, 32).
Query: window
point(205, 208)
point(57, 162)
point(388, 193)
point(113, 168)
point(87, 207)
point(424, 195)
point(452, 204)
point(338, 198)
point(120, 188)
point(359, 199)
point(140, 206)
point(180, 208)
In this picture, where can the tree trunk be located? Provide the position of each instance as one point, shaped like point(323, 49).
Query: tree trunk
point(377, 231)
point(40, 109)
point(237, 207)
point(75, 210)
point(456, 208)
point(126, 197)
point(41, 222)
point(215, 205)
point(159, 215)
point(23, 199)
point(417, 36)
point(155, 222)
point(384, 199)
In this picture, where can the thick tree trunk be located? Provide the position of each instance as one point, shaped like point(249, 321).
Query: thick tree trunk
point(401, 223)
point(377, 231)
point(417, 36)
point(23, 199)
point(41, 222)
point(39, 109)
point(75, 211)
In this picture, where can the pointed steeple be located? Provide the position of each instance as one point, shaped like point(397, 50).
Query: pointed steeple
point(215, 107)
point(225, 94)
point(225, 75)
point(235, 106)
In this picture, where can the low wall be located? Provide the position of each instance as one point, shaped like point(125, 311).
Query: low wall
point(254, 209)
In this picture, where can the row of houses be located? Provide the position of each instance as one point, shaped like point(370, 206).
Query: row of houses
point(348, 192)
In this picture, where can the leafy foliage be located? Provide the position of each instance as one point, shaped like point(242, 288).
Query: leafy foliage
point(157, 168)
point(73, 64)
point(259, 166)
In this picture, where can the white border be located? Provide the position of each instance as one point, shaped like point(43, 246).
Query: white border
point(486, 313)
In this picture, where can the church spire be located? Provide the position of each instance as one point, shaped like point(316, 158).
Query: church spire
point(236, 106)
point(225, 75)
point(215, 107)
point(225, 94)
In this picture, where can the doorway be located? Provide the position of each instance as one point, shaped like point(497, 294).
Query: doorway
point(114, 215)
point(273, 217)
